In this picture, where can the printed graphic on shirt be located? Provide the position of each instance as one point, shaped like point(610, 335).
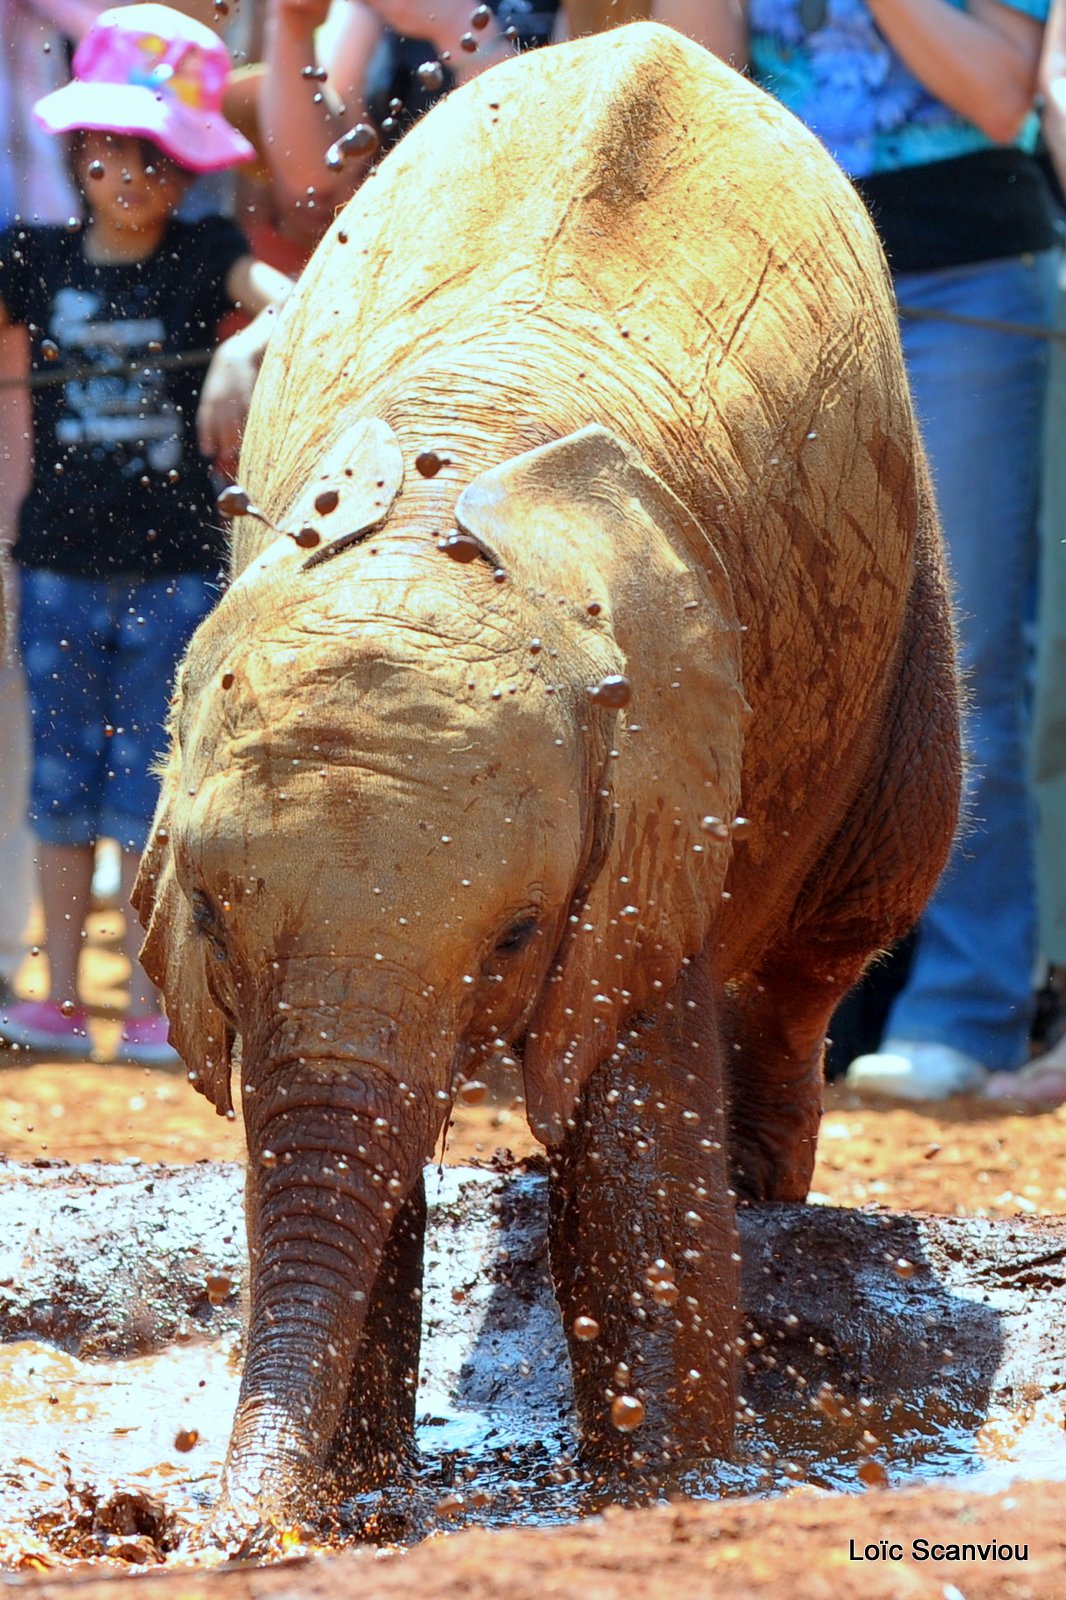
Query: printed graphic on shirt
point(830, 64)
point(120, 348)
point(112, 406)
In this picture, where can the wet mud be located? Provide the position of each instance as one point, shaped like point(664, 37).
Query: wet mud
point(880, 1350)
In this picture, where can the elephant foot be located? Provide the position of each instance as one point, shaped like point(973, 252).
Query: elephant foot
point(261, 1516)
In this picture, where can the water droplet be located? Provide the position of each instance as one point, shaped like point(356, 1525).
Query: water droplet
point(627, 1412)
point(431, 76)
point(873, 1475)
point(450, 1504)
point(473, 1092)
point(358, 141)
point(186, 1439)
point(307, 538)
point(326, 501)
point(49, 350)
point(905, 1268)
point(468, 43)
point(227, 681)
point(460, 546)
point(594, 608)
point(429, 463)
point(68, 1008)
point(319, 74)
point(268, 1158)
point(219, 1286)
point(585, 1328)
point(480, 17)
point(234, 501)
point(96, 170)
point(715, 827)
point(613, 692)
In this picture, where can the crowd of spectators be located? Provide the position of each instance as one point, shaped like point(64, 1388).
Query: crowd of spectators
point(933, 109)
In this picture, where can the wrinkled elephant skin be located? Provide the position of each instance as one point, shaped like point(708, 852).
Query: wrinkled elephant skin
point(595, 514)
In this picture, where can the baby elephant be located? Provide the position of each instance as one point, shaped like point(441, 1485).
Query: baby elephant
point(591, 514)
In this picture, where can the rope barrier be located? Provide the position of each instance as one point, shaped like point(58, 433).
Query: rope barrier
point(125, 369)
point(1024, 330)
point(201, 358)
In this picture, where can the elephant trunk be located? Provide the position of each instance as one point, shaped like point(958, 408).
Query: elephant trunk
point(335, 1214)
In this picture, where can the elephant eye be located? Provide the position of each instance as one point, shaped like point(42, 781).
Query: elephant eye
point(207, 922)
point(517, 937)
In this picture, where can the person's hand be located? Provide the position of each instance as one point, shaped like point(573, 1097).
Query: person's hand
point(225, 399)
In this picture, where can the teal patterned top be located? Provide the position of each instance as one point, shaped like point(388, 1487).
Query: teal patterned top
point(829, 63)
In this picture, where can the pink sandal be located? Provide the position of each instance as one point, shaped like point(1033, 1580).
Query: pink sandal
point(1041, 1083)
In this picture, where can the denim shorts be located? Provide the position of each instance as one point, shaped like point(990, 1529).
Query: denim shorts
point(100, 656)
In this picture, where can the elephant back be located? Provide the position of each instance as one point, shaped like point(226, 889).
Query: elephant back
point(621, 230)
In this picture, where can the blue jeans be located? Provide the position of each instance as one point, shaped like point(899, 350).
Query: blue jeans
point(1049, 733)
point(979, 396)
point(100, 656)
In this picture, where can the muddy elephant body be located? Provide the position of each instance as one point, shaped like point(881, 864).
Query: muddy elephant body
point(592, 514)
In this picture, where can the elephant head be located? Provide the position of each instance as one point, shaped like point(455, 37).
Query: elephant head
point(415, 806)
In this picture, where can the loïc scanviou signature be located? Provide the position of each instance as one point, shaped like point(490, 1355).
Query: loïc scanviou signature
point(933, 1550)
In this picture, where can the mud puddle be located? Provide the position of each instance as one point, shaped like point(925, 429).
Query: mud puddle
point(879, 1350)
point(119, 1460)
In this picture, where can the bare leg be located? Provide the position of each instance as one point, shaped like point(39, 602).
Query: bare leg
point(66, 873)
point(644, 1246)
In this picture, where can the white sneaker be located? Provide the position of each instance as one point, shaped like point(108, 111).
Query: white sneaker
point(910, 1071)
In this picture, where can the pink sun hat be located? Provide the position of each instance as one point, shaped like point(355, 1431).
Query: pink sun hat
point(149, 71)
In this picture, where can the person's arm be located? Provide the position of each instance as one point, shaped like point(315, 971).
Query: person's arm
point(227, 390)
point(301, 117)
point(444, 23)
point(721, 26)
point(981, 62)
point(1053, 86)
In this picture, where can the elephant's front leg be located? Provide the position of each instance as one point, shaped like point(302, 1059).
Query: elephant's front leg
point(644, 1243)
point(375, 1440)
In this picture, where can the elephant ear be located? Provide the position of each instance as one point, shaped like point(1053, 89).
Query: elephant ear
point(344, 493)
point(585, 521)
point(175, 956)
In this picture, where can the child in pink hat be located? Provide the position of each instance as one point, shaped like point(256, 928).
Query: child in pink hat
point(118, 539)
point(148, 70)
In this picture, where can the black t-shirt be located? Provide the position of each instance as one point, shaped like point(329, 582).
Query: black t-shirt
point(119, 484)
point(954, 213)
